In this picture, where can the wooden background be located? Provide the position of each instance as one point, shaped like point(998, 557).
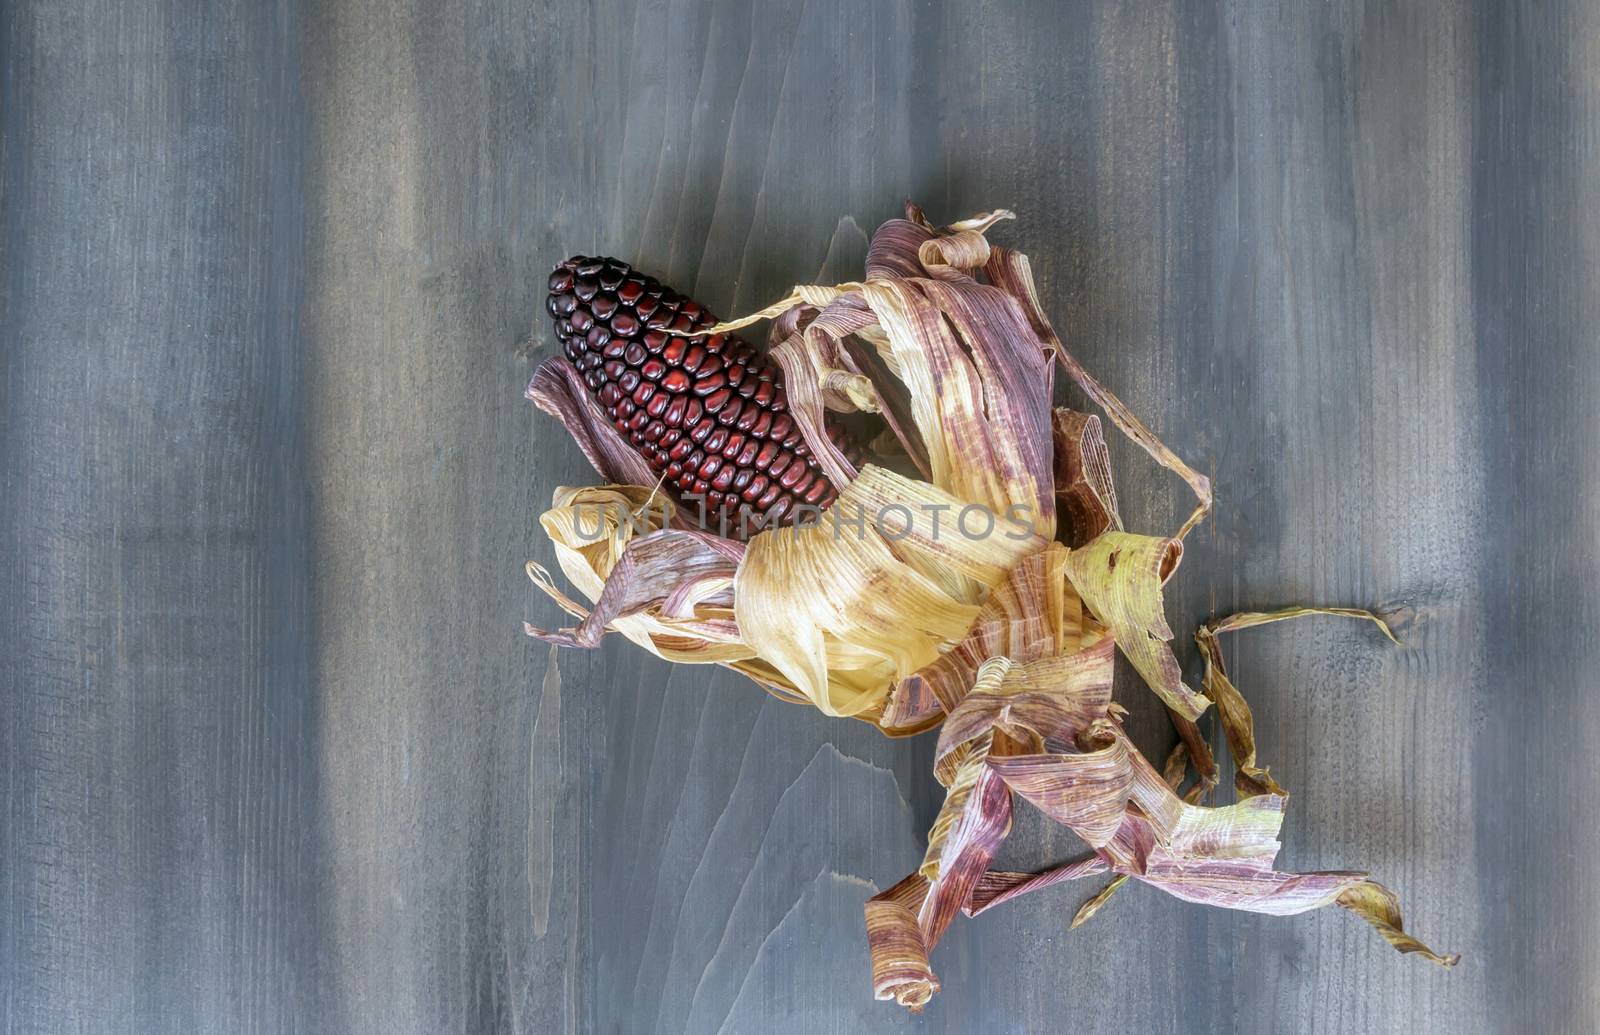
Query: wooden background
point(276, 754)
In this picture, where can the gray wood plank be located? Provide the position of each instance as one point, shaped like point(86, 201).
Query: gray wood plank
point(277, 755)
point(162, 846)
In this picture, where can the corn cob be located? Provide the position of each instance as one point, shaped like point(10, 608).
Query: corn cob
point(707, 414)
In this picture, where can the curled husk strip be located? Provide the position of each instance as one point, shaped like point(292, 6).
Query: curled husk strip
point(1004, 641)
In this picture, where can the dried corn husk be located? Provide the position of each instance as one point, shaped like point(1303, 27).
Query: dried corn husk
point(1005, 641)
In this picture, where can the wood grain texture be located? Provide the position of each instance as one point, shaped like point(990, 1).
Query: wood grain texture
point(276, 754)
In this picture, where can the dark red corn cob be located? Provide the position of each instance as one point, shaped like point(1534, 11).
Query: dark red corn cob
point(708, 414)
